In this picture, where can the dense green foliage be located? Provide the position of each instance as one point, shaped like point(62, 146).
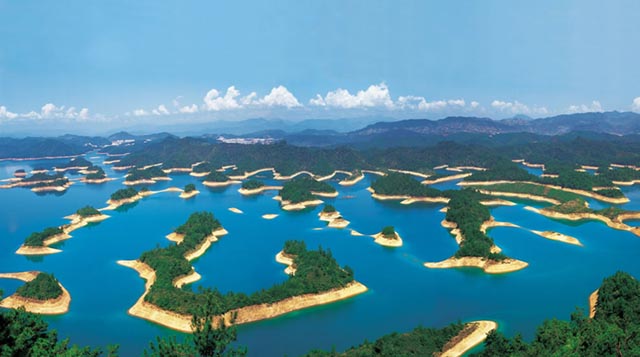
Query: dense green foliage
point(389, 232)
point(99, 173)
point(468, 213)
point(328, 209)
point(87, 211)
point(577, 180)
point(502, 170)
point(124, 193)
point(76, 162)
point(580, 206)
point(316, 271)
point(203, 167)
point(19, 172)
point(300, 189)
point(619, 174)
point(421, 341)
point(532, 189)
point(58, 182)
point(43, 287)
point(145, 174)
point(36, 239)
point(189, 188)
point(216, 176)
point(252, 184)
point(614, 331)
point(26, 334)
point(395, 183)
point(44, 177)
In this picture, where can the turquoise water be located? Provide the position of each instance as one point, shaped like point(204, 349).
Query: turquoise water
point(402, 293)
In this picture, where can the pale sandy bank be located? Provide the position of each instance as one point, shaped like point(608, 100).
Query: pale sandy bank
point(269, 216)
point(593, 301)
point(558, 237)
point(380, 238)
point(350, 181)
point(287, 260)
point(258, 190)
point(446, 178)
point(489, 266)
point(220, 184)
point(57, 306)
point(235, 210)
point(472, 335)
point(188, 195)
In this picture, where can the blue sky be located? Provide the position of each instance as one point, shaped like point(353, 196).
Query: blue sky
point(122, 61)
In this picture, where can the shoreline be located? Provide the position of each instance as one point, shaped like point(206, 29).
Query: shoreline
point(255, 191)
point(584, 193)
point(246, 174)
point(97, 181)
point(619, 224)
point(269, 216)
point(188, 195)
point(593, 302)
point(379, 238)
point(489, 266)
point(57, 306)
point(412, 173)
point(405, 199)
point(40, 158)
point(298, 206)
point(446, 178)
point(559, 237)
point(351, 181)
point(220, 184)
point(235, 210)
point(247, 314)
point(287, 260)
point(466, 340)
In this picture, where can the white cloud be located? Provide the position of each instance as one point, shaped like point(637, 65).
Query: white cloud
point(140, 112)
point(595, 106)
point(420, 103)
point(213, 101)
point(376, 95)
point(280, 97)
point(161, 110)
point(188, 109)
point(474, 104)
point(4, 113)
point(636, 105)
point(518, 108)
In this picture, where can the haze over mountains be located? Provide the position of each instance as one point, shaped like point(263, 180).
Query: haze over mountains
point(415, 132)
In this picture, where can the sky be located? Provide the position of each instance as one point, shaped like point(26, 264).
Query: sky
point(113, 63)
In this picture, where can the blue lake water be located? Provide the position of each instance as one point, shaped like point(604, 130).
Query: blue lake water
point(402, 293)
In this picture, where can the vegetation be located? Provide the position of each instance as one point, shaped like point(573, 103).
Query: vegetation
point(203, 167)
point(577, 180)
point(99, 174)
point(58, 182)
point(76, 162)
point(503, 171)
point(316, 271)
point(145, 174)
point(398, 184)
point(43, 287)
point(124, 193)
point(614, 330)
point(300, 189)
point(19, 172)
point(328, 209)
point(422, 341)
point(44, 177)
point(619, 174)
point(533, 189)
point(37, 239)
point(215, 176)
point(389, 232)
point(87, 211)
point(27, 334)
point(466, 211)
point(580, 206)
point(189, 188)
point(252, 184)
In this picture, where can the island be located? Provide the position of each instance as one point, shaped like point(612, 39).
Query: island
point(38, 242)
point(42, 293)
point(145, 176)
point(465, 217)
point(124, 196)
point(332, 216)
point(402, 186)
point(189, 191)
point(354, 177)
point(254, 187)
point(20, 173)
point(302, 192)
point(318, 279)
point(388, 237)
point(41, 182)
point(218, 179)
point(201, 169)
point(96, 176)
point(75, 164)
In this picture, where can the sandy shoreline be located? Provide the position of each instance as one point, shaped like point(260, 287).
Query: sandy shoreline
point(350, 181)
point(405, 199)
point(258, 190)
point(248, 174)
point(558, 237)
point(244, 315)
point(615, 224)
point(412, 173)
point(593, 301)
point(287, 260)
point(97, 181)
point(269, 216)
point(446, 178)
point(57, 306)
point(235, 210)
point(472, 335)
point(489, 266)
point(379, 238)
point(220, 184)
point(188, 195)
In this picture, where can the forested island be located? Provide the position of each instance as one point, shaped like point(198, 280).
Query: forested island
point(401, 186)
point(302, 192)
point(147, 175)
point(42, 293)
point(316, 272)
point(96, 175)
point(76, 163)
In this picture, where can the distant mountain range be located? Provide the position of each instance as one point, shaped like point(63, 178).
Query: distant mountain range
point(413, 132)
